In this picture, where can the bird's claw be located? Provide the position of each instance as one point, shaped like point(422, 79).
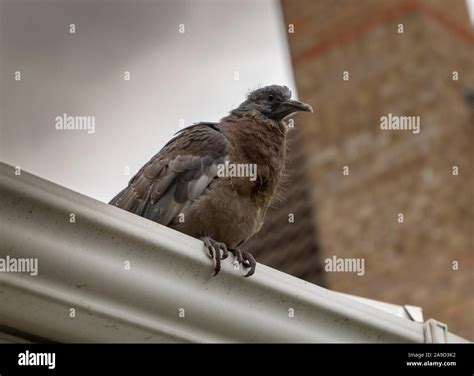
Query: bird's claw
point(244, 258)
point(218, 251)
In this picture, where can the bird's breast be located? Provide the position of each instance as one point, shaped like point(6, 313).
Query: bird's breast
point(223, 214)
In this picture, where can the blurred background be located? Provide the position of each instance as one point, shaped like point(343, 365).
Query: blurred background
point(190, 61)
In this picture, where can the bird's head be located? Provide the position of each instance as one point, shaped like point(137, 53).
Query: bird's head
point(273, 102)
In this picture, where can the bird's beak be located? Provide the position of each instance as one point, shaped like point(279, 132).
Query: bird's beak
point(296, 106)
point(289, 107)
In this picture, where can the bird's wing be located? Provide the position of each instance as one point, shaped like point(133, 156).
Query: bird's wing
point(178, 174)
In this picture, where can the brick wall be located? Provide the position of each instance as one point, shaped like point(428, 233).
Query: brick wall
point(391, 171)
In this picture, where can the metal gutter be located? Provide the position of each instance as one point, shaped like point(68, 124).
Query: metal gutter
point(167, 295)
point(407, 311)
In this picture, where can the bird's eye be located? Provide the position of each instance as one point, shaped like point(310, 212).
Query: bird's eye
point(271, 97)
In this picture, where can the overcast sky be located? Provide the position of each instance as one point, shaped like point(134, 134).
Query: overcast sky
point(189, 76)
point(470, 6)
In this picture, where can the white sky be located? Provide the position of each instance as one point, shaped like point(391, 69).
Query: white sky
point(174, 76)
point(470, 7)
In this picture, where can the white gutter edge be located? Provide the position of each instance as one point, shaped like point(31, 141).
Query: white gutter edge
point(81, 270)
point(408, 312)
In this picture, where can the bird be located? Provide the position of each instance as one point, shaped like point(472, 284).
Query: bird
point(180, 187)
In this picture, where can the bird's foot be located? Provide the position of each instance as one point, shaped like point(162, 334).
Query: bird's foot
point(245, 259)
point(218, 251)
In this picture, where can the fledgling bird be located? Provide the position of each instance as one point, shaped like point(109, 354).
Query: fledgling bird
point(180, 186)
